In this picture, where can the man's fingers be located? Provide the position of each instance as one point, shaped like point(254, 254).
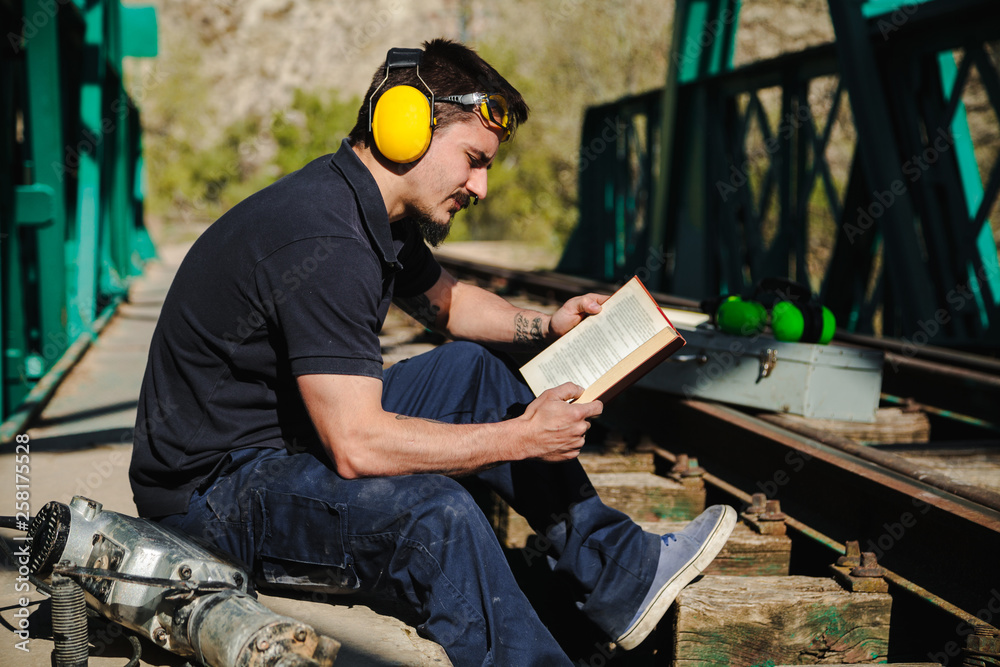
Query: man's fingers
point(592, 303)
point(565, 391)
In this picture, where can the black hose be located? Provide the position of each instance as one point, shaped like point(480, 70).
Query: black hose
point(13, 523)
point(136, 651)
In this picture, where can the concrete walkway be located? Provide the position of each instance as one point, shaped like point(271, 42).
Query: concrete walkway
point(82, 445)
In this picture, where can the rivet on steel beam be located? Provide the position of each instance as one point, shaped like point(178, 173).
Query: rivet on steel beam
point(758, 502)
point(300, 634)
point(852, 555)
point(262, 645)
point(185, 572)
point(983, 630)
point(160, 636)
point(772, 512)
point(693, 469)
point(869, 566)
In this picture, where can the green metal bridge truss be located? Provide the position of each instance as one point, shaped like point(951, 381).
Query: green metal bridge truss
point(71, 184)
point(716, 181)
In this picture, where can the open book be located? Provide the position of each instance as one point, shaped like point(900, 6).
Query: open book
point(607, 352)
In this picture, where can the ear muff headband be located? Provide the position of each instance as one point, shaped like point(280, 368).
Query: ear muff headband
point(402, 122)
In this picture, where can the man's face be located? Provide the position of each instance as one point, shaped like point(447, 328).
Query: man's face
point(453, 169)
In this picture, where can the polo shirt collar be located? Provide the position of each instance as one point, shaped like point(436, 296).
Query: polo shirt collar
point(373, 214)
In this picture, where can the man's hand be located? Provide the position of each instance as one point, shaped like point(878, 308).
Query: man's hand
point(573, 312)
point(556, 427)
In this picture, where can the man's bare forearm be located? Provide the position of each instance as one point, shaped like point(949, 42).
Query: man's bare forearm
point(365, 441)
point(493, 320)
point(403, 445)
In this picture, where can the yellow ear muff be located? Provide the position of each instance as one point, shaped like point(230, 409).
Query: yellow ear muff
point(401, 124)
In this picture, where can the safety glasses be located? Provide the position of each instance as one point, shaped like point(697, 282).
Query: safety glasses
point(493, 108)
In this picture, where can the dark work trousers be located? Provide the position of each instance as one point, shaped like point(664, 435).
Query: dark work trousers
point(421, 538)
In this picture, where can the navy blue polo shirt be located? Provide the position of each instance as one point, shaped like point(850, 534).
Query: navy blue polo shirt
point(295, 280)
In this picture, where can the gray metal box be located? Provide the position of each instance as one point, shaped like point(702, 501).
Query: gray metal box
point(816, 381)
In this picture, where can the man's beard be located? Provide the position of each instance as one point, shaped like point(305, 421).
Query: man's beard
point(433, 232)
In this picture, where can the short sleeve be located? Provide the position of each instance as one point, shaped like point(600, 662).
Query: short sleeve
point(420, 270)
point(322, 296)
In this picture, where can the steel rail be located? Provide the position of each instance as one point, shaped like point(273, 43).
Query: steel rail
point(840, 549)
point(938, 545)
point(949, 542)
point(890, 461)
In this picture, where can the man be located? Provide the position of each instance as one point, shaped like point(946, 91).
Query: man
point(267, 426)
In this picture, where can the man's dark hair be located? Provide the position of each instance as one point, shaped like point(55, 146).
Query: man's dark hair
point(448, 68)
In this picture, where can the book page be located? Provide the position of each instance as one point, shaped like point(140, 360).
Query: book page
point(626, 321)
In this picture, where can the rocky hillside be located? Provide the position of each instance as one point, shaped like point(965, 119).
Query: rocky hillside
point(250, 55)
point(224, 61)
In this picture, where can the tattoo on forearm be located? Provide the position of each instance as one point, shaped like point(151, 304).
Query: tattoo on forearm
point(421, 309)
point(423, 419)
point(527, 331)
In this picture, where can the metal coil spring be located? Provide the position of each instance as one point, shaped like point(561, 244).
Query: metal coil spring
point(69, 623)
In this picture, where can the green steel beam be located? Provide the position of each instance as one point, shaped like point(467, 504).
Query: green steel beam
point(972, 186)
point(703, 42)
point(84, 284)
point(71, 232)
point(139, 32)
point(47, 146)
point(34, 205)
point(904, 256)
point(872, 8)
point(930, 231)
point(10, 75)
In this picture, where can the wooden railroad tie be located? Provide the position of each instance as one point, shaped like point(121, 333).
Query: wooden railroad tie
point(725, 620)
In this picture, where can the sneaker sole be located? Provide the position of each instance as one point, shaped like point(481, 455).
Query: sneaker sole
point(654, 612)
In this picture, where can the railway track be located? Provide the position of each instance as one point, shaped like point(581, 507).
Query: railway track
point(936, 538)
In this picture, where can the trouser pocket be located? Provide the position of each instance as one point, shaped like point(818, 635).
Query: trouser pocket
point(301, 542)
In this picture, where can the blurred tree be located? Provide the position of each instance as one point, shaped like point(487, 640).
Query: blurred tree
point(563, 56)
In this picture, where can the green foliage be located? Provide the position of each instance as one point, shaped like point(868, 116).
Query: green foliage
point(313, 126)
point(571, 54)
point(203, 183)
point(568, 55)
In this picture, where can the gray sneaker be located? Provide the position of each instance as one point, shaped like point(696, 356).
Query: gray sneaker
point(683, 556)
